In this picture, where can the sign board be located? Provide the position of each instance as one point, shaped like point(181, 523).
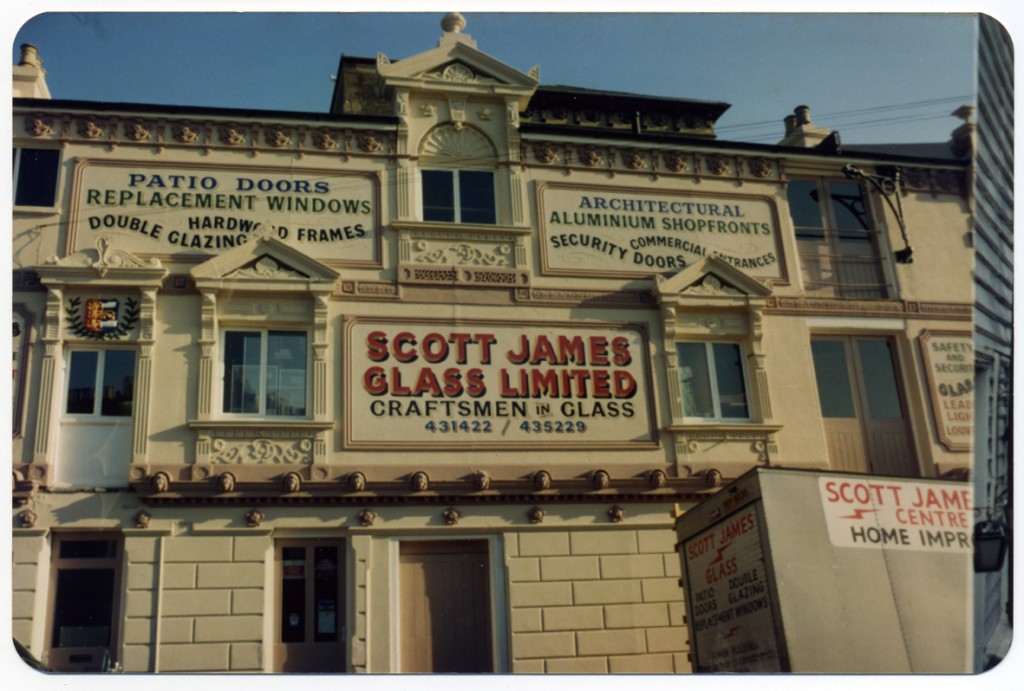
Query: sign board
point(949, 364)
point(732, 621)
point(805, 571)
point(876, 513)
point(417, 383)
point(161, 209)
point(608, 231)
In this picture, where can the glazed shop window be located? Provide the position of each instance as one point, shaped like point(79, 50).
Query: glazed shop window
point(459, 196)
point(265, 373)
point(836, 239)
point(86, 585)
point(101, 383)
point(35, 176)
point(712, 381)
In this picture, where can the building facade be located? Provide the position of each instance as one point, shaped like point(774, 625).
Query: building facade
point(992, 212)
point(421, 383)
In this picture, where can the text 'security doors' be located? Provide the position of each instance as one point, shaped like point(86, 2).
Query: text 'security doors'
point(309, 633)
point(445, 606)
point(862, 406)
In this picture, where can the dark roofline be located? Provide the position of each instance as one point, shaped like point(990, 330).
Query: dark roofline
point(547, 95)
point(106, 106)
point(853, 152)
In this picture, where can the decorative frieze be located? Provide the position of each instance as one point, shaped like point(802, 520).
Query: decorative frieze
point(184, 133)
point(869, 308)
point(286, 451)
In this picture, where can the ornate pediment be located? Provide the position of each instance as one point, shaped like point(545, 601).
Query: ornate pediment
point(457, 64)
point(711, 277)
point(106, 265)
point(264, 259)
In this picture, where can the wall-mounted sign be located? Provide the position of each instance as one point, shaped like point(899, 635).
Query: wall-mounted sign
point(607, 231)
point(416, 383)
point(158, 209)
point(949, 364)
point(881, 513)
point(731, 614)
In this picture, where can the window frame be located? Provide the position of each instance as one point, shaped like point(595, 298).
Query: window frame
point(61, 658)
point(261, 413)
point(18, 156)
point(97, 414)
point(831, 237)
point(711, 364)
point(457, 207)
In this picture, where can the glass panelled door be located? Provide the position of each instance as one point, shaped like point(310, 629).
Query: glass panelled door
point(309, 628)
point(862, 406)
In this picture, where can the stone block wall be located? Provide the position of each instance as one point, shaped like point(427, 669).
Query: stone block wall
point(28, 554)
point(595, 602)
point(210, 604)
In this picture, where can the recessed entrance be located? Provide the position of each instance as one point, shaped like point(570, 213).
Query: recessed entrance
point(309, 633)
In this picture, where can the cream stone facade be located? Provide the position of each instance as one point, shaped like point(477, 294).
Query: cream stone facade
point(419, 384)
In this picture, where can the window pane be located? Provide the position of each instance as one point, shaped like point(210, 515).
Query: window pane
point(833, 378)
point(438, 195)
point(325, 587)
point(118, 383)
point(732, 394)
point(37, 177)
point(286, 373)
point(848, 206)
point(88, 549)
point(694, 381)
point(83, 608)
point(241, 372)
point(476, 196)
point(879, 379)
point(82, 382)
point(803, 204)
point(293, 594)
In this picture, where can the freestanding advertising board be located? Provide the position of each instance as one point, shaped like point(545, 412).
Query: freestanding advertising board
point(837, 573)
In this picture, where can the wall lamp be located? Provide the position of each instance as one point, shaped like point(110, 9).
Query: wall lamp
point(887, 182)
point(991, 541)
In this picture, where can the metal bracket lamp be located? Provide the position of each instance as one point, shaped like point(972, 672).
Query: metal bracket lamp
point(887, 182)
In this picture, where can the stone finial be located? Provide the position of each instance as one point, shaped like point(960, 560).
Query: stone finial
point(453, 23)
point(30, 55)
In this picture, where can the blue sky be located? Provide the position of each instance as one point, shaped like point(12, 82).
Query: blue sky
point(874, 77)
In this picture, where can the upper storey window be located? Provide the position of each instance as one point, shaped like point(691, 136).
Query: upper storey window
point(101, 383)
point(712, 381)
point(459, 196)
point(836, 239)
point(35, 177)
point(265, 373)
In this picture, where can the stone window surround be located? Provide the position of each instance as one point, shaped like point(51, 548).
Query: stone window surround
point(712, 301)
point(111, 270)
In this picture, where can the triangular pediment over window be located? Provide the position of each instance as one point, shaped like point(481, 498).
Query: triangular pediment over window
point(264, 262)
point(711, 278)
point(457, 65)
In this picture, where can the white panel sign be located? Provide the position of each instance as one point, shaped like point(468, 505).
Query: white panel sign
point(880, 513)
point(600, 231)
point(412, 383)
point(167, 210)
